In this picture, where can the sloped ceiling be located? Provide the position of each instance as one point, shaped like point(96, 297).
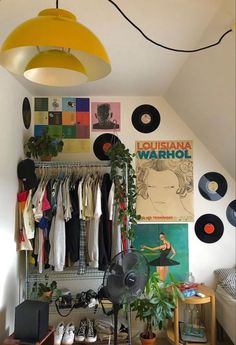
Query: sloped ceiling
point(203, 94)
point(141, 68)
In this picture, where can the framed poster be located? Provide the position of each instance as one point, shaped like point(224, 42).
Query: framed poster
point(166, 248)
point(164, 171)
point(105, 116)
point(67, 118)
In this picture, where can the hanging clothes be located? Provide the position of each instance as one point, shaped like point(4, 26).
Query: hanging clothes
point(104, 237)
point(73, 227)
point(57, 236)
point(93, 247)
point(23, 241)
point(73, 216)
point(82, 251)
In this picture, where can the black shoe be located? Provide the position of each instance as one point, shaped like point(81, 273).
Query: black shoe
point(81, 301)
point(91, 297)
point(81, 331)
point(90, 294)
point(91, 334)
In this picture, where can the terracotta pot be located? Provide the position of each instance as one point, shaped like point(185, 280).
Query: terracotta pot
point(46, 158)
point(46, 296)
point(145, 341)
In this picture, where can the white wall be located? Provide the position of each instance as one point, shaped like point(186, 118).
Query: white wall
point(11, 144)
point(203, 258)
point(203, 92)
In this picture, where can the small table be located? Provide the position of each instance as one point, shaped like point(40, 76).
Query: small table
point(173, 329)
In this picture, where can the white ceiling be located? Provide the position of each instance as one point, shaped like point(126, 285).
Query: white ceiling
point(138, 67)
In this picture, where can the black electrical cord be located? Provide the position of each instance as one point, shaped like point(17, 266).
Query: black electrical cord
point(163, 46)
point(56, 3)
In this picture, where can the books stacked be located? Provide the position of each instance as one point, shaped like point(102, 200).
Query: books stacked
point(188, 289)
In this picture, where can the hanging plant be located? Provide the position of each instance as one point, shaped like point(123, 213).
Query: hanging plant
point(123, 175)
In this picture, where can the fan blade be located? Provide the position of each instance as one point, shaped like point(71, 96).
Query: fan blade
point(141, 280)
point(115, 287)
point(129, 261)
point(116, 268)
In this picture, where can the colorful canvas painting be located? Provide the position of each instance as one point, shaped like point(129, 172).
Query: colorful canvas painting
point(105, 116)
point(67, 118)
point(166, 248)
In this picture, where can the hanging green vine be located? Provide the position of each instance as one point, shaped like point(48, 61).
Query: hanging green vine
point(121, 159)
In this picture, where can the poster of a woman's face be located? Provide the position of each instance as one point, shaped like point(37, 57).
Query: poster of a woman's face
point(165, 189)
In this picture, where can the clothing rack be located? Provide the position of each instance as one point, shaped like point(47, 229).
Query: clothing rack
point(61, 164)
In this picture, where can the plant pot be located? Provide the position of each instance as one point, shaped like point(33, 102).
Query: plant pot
point(46, 296)
point(46, 158)
point(145, 341)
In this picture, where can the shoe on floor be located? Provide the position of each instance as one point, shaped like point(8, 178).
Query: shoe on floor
point(91, 334)
point(68, 337)
point(58, 334)
point(81, 331)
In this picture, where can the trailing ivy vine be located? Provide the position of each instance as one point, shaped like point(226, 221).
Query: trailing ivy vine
point(123, 175)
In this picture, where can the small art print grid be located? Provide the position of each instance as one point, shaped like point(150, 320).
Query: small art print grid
point(67, 118)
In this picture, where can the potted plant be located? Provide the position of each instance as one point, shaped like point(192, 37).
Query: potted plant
point(46, 290)
point(43, 146)
point(124, 177)
point(156, 305)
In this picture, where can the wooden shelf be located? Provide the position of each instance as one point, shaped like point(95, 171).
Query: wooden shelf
point(173, 329)
point(171, 338)
point(47, 340)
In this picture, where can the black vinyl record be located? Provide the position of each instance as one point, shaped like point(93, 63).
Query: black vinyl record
point(209, 228)
point(102, 145)
point(231, 212)
point(212, 186)
point(146, 118)
point(26, 112)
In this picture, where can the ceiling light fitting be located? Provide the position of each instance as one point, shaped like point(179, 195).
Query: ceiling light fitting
point(164, 46)
point(54, 49)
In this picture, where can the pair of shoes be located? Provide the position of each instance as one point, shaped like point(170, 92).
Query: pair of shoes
point(86, 299)
point(64, 334)
point(91, 297)
point(81, 301)
point(86, 331)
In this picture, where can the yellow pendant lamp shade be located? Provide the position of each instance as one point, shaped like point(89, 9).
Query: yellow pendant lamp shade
point(55, 67)
point(68, 46)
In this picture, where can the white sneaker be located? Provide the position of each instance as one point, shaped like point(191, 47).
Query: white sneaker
point(68, 337)
point(58, 334)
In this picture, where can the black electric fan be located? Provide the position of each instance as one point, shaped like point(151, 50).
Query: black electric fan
point(125, 279)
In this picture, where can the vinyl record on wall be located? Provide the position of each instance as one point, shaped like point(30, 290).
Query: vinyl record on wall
point(102, 145)
point(231, 212)
point(209, 228)
point(146, 118)
point(26, 113)
point(212, 186)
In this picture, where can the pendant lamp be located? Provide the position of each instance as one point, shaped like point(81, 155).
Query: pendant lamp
point(54, 49)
